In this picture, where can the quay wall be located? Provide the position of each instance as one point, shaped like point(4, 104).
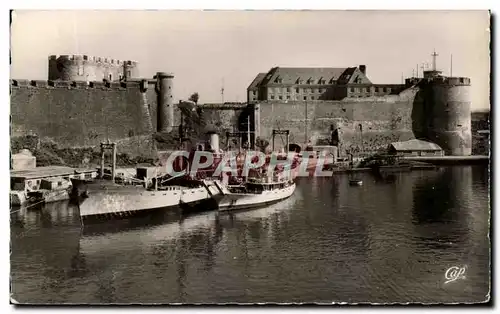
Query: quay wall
point(77, 113)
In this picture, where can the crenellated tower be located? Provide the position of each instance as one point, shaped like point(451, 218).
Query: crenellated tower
point(450, 118)
point(90, 68)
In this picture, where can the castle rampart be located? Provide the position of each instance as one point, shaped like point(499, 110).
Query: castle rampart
point(89, 99)
point(79, 113)
point(362, 125)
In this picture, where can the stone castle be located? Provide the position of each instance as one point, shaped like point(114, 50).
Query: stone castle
point(89, 99)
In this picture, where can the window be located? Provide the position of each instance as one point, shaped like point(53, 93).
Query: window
point(288, 89)
point(357, 90)
point(272, 96)
point(287, 97)
point(254, 92)
point(281, 97)
point(384, 89)
point(128, 73)
point(110, 77)
point(312, 97)
point(80, 70)
point(321, 90)
point(352, 89)
point(305, 97)
point(297, 90)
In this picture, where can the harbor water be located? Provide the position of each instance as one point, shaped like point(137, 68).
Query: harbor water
point(392, 239)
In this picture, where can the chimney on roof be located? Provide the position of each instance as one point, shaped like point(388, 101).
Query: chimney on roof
point(362, 68)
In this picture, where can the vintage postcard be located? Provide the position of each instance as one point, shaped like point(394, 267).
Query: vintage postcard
point(244, 157)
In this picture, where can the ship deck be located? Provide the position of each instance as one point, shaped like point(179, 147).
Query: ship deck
point(47, 172)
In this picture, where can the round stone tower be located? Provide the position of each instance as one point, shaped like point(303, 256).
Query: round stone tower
point(165, 112)
point(90, 68)
point(130, 70)
point(450, 120)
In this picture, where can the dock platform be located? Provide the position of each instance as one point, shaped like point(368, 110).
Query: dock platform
point(451, 160)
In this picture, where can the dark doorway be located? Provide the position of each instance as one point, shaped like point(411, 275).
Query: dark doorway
point(294, 148)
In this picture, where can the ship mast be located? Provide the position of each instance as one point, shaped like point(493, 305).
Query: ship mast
point(451, 66)
point(222, 90)
point(248, 133)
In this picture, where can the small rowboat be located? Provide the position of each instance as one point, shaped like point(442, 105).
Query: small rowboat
point(355, 182)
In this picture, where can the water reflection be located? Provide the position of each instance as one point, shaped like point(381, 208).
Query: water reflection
point(389, 240)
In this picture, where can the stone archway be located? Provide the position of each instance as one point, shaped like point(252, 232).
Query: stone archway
point(294, 148)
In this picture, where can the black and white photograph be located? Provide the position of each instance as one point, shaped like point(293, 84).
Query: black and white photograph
point(221, 157)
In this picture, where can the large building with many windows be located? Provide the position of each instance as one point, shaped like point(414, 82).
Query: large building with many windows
point(312, 84)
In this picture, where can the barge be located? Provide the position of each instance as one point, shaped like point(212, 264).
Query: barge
point(45, 184)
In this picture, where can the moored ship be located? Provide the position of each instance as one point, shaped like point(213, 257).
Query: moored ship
point(44, 184)
point(256, 191)
point(107, 200)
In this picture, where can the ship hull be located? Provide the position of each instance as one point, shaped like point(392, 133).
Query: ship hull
point(239, 201)
point(107, 201)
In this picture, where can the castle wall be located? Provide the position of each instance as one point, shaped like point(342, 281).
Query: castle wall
point(221, 118)
point(77, 114)
point(364, 124)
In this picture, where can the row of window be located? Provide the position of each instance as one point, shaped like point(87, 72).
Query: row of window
point(296, 90)
point(81, 72)
point(309, 81)
point(320, 91)
point(368, 89)
point(288, 97)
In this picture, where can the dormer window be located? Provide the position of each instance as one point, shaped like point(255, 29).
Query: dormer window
point(310, 80)
point(299, 81)
point(332, 80)
point(278, 80)
point(322, 81)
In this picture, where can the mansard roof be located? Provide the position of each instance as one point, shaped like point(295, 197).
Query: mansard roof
point(312, 76)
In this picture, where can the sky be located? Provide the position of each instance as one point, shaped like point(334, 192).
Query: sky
point(208, 50)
